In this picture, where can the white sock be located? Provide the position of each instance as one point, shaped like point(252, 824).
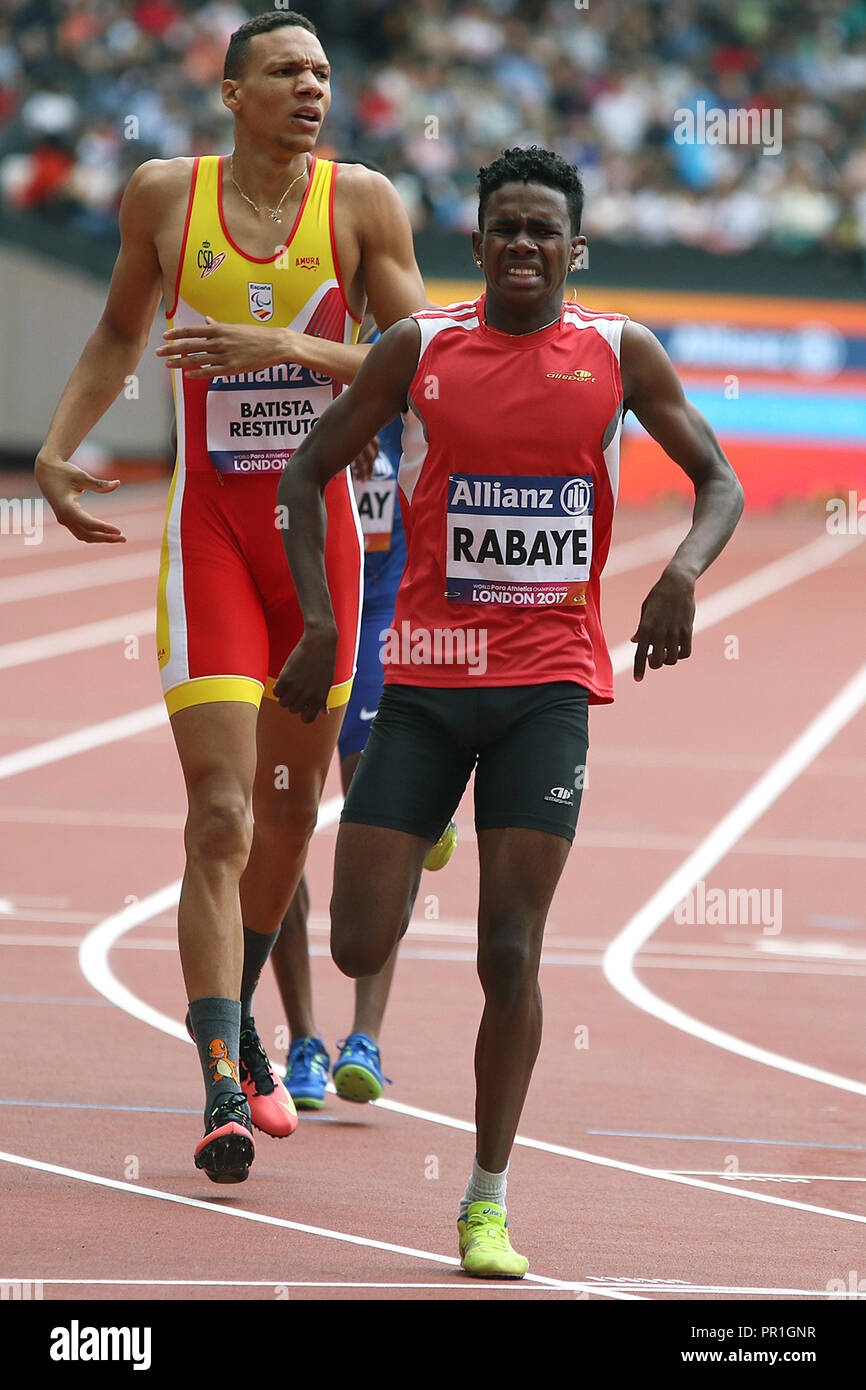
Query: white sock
point(484, 1187)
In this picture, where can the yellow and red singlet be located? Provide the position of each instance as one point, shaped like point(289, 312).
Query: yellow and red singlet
point(227, 614)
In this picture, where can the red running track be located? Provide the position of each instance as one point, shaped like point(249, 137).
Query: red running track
point(653, 1162)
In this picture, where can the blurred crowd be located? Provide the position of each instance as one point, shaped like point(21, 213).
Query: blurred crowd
point(431, 89)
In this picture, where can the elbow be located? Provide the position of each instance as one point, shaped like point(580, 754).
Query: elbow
point(737, 494)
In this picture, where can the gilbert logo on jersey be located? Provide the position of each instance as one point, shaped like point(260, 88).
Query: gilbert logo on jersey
point(261, 301)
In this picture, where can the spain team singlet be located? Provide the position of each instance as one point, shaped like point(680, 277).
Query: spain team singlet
point(228, 615)
point(252, 422)
point(508, 485)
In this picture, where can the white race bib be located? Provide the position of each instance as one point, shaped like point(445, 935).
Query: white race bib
point(256, 420)
point(376, 499)
point(522, 541)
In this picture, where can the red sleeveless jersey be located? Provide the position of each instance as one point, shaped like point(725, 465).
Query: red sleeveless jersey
point(508, 484)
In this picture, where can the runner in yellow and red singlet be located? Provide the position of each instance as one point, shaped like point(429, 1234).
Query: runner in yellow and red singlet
point(265, 260)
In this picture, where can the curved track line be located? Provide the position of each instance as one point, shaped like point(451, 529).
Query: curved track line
point(93, 960)
point(618, 961)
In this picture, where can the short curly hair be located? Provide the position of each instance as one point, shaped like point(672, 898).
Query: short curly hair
point(532, 165)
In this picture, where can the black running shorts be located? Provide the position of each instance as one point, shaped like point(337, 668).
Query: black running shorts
point(527, 744)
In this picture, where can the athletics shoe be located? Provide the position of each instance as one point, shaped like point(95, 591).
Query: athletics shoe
point(358, 1069)
point(485, 1250)
point(228, 1148)
point(307, 1068)
point(441, 852)
point(272, 1109)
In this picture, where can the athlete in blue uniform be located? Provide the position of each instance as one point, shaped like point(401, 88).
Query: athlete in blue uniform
point(358, 1069)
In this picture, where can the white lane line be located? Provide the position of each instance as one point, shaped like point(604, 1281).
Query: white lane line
point(681, 1286)
point(797, 567)
point(502, 1286)
point(598, 1160)
point(93, 962)
point(131, 517)
point(90, 574)
point(619, 959)
point(77, 639)
point(468, 956)
point(642, 550)
point(765, 1177)
point(83, 740)
point(243, 1214)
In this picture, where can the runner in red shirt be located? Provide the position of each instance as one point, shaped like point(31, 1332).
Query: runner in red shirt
point(512, 409)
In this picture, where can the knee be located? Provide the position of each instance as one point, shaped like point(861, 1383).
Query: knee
point(355, 958)
point(288, 824)
point(507, 965)
point(355, 948)
point(219, 828)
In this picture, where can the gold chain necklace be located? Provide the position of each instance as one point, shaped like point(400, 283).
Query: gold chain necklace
point(529, 330)
point(273, 211)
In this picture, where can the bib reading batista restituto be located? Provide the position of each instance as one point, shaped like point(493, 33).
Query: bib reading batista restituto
point(252, 422)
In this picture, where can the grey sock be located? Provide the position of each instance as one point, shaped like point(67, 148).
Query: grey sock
point(216, 1023)
point(257, 948)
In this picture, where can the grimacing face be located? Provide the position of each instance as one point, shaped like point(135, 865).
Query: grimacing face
point(526, 244)
point(284, 90)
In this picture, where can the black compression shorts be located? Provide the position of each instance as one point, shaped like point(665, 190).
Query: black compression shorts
point(527, 744)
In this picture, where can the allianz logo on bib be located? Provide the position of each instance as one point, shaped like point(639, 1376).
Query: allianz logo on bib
point(573, 496)
point(261, 301)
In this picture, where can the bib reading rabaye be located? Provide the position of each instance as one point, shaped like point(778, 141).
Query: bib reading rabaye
point(524, 541)
point(376, 498)
point(256, 420)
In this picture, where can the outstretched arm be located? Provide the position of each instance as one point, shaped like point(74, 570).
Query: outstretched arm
point(377, 394)
point(652, 390)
